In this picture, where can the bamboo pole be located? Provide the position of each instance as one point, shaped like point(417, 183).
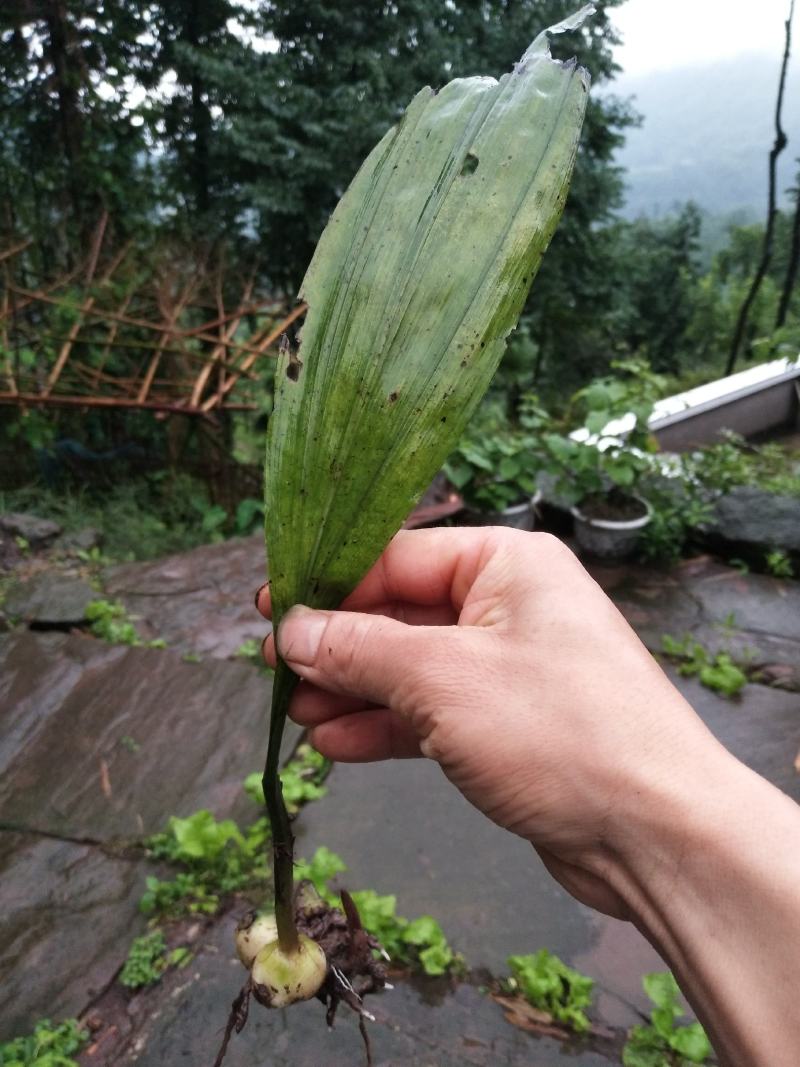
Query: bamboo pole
point(178, 407)
point(166, 336)
point(128, 320)
point(88, 303)
point(112, 335)
point(12, 384)
point(220, 352)
point(8, 252)
point(250, 359)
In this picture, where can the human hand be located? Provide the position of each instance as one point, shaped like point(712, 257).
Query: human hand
point(493, 652)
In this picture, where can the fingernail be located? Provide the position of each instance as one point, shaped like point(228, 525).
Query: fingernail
point(299, 635)
point(258, 593)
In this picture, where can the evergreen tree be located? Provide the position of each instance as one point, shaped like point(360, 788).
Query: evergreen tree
point(69, 146)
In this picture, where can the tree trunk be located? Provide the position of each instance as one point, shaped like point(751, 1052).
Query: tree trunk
point(772, 210)
point(793, 265)
point(69, 116)
point(201, 121)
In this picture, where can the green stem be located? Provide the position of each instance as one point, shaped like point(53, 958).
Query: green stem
point(282, 838)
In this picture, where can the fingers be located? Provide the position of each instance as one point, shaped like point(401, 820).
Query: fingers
point(419, 567)
point(411, 614)
point(367, 656)
point(377, 734)
point(312, 706)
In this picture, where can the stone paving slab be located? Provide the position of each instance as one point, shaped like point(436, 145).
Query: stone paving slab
point(103, 741)
point(755, 617)
point(761, 727)
point(50, 598)
point(199, 601)
point(69, 913)
point(456, 1028)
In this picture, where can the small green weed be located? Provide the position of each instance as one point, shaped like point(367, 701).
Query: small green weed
point(218, 858)
point(50, 1045)
point(148, 959)
point(192, 657)
point(93, 557)
point(301, 778)
point(418, 943)
point(717, 672)
point(249, 649)
point(778, 564)
point(663, 1043)
point(548, 983)
point(111, 622)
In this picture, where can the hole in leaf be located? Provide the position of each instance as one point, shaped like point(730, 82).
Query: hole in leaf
point(470, 164)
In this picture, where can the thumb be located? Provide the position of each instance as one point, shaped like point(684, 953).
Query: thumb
point(367, 656)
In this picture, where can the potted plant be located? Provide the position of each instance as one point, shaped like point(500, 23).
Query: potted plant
point(600, 467)
point(496, 475)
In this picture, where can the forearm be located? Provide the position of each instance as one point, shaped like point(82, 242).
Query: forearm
point(711, 873)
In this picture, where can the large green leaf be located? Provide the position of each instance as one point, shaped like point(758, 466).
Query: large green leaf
point(419, 276)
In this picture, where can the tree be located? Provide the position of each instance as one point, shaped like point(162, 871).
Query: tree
point(659, 259)
point(68, 145)
point(793, 261)
point(303, 117)
point(193, 57)
point(778, 146)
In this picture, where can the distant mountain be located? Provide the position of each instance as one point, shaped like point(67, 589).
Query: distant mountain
point(706, 135)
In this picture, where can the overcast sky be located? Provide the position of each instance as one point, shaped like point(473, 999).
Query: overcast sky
point(674, 33)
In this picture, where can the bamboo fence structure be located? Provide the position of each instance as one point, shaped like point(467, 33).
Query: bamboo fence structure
point(114, 334)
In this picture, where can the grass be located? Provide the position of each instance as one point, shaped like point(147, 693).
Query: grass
point(50, 1045)
point(140, 518)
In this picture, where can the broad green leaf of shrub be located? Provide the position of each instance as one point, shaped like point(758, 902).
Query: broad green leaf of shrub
point(691, 1042)
point(548, 983)
point(201, 836)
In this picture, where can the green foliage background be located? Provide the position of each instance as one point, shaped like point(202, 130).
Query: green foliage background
point(230, 129)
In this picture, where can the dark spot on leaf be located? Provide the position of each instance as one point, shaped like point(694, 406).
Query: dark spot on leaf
point(463, 363)
point(443, 418)
point(483, 344)
point(293, 370)
point(392, 396)
point(470, 164)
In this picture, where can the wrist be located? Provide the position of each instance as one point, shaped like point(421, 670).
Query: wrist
point(710, 875)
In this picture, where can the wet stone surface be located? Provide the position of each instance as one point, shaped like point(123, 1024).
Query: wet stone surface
point(69, 913)
point(106, 742)
point(200, 601)
point(747, 515)
point(754, 617)
point(31, 528)
point(451, 1027)
point(50, 599)
point(101, 743)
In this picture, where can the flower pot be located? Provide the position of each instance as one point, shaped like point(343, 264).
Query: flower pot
point(608, 538)
point(519, 516)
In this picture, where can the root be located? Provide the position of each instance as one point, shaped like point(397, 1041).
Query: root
point(353, 971)
point(236, 1020)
